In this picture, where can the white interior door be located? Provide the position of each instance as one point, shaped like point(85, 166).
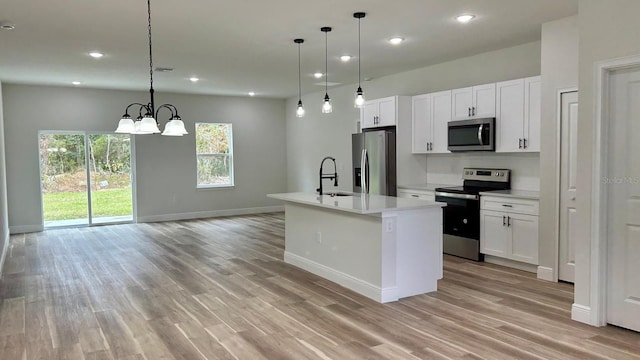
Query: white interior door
point(568, 168)
point(623, 205)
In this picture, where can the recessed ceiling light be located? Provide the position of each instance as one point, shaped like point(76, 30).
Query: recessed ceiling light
point(76, 83)
point(396, 40)
point(251, 93)
point(194, 79)
point(96, 54)
point(318, 75)
point(465, 18)
point(345, 58)
point(7, 26)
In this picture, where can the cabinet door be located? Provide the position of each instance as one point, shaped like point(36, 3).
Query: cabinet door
point(369, 114)
point(532, 113)
point(387, 111)
point(440, 117)
point(509, 115)
point(484, 101)
point(421, 123)
point(524, 238)
point(461, 103)
point(494, 233)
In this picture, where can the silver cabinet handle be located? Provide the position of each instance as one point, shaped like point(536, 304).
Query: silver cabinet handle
point(469, 111)
point(508, 221)
point(473, 111)
point(507, 205)
point(504, 220)
point(415, 196)
point(525, 143)
point(480, 134)
point(519, 143)
point(431, 146)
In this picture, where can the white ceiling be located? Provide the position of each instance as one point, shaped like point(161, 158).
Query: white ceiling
point(237, 46)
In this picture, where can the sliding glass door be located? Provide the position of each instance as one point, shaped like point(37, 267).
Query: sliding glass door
point(86, 178)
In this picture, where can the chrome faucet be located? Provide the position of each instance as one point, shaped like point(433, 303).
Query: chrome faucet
point(328, 176)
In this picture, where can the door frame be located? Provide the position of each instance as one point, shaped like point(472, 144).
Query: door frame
point(86, 160)
point(597, 314)
point(559, 93)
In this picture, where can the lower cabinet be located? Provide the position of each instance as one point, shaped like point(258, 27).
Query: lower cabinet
point(417, 194)
point(508, 234)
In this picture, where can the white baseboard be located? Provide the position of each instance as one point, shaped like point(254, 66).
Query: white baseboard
point(581, 313)
point(361, 287)
point(22, 229)
point(511, 263)
point(209, 214)
point(545, 273)
point(4, 251)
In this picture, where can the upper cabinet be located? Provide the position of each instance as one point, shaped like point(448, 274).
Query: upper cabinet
point(474, 102)
point(430, 115)
point(518, 107)
point(379, 112)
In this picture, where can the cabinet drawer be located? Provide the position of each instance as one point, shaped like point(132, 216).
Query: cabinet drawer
point(512, 205)
point(417, 194)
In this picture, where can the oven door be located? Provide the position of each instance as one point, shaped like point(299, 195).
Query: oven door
point(471, 135)
point(461, 225)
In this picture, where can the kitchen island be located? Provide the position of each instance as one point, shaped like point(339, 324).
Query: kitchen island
point(382, 247)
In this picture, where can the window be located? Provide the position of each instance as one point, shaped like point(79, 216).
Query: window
point(214, 154)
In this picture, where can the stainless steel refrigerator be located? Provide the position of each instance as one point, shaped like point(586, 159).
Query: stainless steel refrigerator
point(374, 162)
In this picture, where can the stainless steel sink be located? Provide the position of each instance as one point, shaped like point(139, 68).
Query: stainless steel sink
point(338, 193)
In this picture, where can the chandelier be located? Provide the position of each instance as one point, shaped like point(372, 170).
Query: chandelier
point(146, 123)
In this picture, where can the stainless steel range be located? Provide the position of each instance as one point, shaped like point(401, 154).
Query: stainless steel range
point(462, 213)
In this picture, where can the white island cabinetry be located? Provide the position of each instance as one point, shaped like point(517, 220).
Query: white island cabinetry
point(384, 248)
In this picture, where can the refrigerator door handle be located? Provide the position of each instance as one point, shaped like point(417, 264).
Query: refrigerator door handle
point(363, 171)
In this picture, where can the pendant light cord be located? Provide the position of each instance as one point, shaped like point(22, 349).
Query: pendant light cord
point(359, 71)
point(326, 61)
point(151, 91)
point(299, 76)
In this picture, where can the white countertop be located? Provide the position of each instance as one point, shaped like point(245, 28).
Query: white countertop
point(358, 203)
point(427, 187)
point(520, 194)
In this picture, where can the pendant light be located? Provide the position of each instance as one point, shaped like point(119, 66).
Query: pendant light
point(359, 101)
point(300, 108)
point(147, 124)
point(326, 105)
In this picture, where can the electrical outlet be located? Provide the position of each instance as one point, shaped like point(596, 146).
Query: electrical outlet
point(319, 237)
point(389, 226)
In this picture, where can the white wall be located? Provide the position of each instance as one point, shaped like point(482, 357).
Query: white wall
point(447, 168)
point(316, 135)
point(559, 69)
point(608, 29)
point(4, 218)
point(165, 166)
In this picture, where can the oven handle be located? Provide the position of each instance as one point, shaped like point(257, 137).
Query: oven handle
point(480, 134)
point(458, 196)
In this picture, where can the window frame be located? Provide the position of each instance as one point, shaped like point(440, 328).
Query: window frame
point(232, 182)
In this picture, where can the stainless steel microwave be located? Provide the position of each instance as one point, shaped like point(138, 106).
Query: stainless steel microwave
point(472, 135)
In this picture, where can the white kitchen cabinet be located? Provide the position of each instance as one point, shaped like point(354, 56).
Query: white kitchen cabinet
point(518, 107)
point(532, 113)
point(421, 124)
point(474, 102)
point(379, 112)
point(417, 194)
point(511, 233)
point(431, 113)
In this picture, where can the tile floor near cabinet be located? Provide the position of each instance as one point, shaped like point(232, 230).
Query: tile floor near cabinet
point(218, 289)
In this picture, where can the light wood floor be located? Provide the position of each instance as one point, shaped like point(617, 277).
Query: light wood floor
point(218, 289)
